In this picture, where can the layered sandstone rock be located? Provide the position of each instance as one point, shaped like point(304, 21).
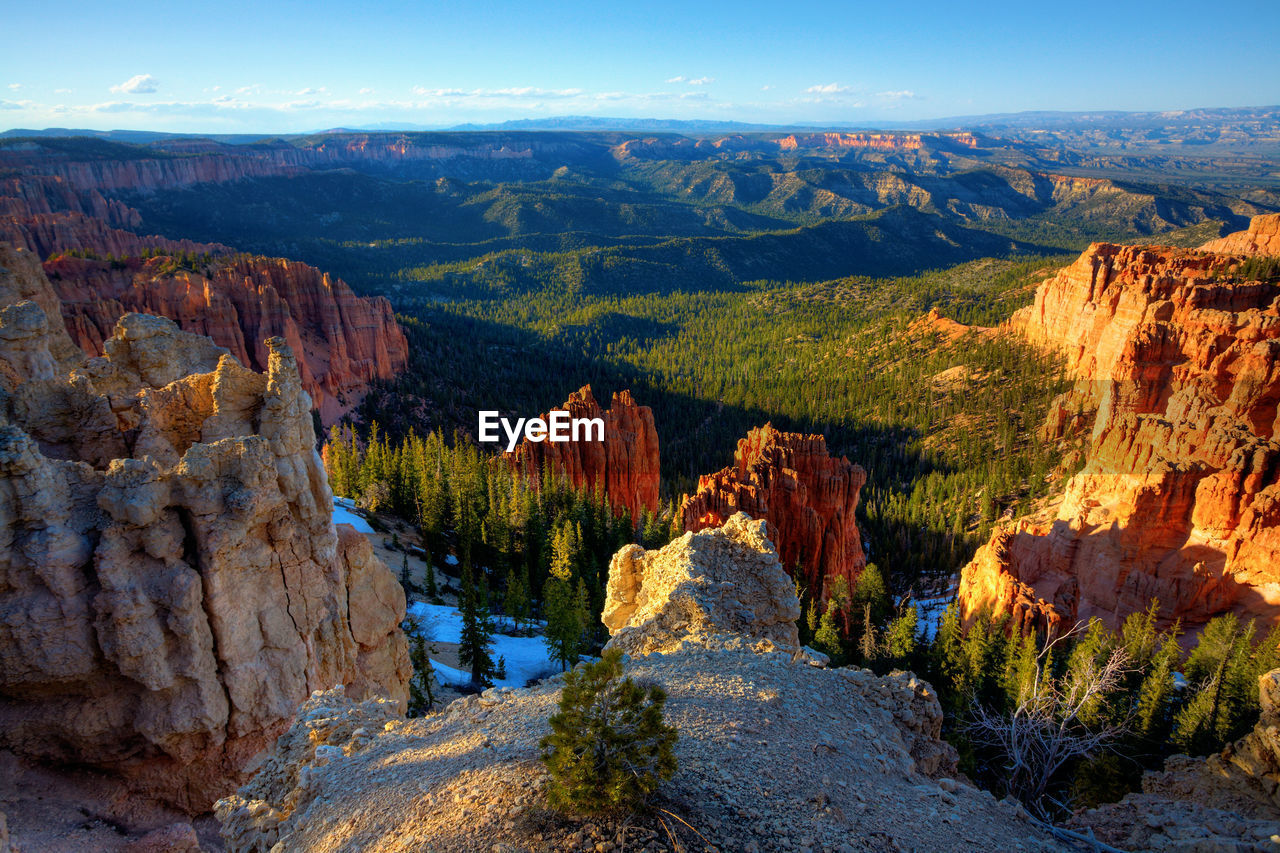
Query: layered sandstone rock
point(720, 583)
point(1262, 237)
point(624, 466)
point(807, 496)
point(172, 585)
point(1177, 361)
point(342, 341)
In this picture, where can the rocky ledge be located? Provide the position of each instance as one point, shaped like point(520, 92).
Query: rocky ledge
point(774, 752)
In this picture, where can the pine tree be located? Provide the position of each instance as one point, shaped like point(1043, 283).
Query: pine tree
point(422, 686)
point(867, 645)
point(432, 592)
point(565, 627)
point(477, 633)
point(901, 638)
point(516, 601)
point(609, 747)
point(1020, 669)
point(827, 639)
point(405, 581)
point(1156, 692)
point(871, 590)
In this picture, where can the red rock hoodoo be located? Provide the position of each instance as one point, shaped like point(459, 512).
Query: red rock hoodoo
point(1176, 358)
point(624, 465)
point(807, 496)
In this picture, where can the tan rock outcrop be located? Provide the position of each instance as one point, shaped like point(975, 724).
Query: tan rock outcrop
point(1177, 360)
point(1262, 237)
point(721, 612)
point(172, 585)
point(807, 496)
point(714, 585)
point(625, 466)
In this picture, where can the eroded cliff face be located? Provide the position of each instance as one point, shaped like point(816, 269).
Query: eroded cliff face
point(172, 585)
point(1176, 359)
point(625, 465)
point(807, 496)
point(57, 205)
point(342, 341)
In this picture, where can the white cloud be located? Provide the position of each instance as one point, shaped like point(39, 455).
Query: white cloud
point(15, 86)
point(15, 105)
point(248, 90)
point(138, 84)
point(365, 91)
point(765, 88)
point(828, 89)
point(691, 81)
point(309, 91)
point(63, 91)
point(900, 95)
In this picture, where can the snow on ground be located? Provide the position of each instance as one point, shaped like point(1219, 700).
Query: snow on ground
point(344, 512)
point(929, 611)
point(526, 657)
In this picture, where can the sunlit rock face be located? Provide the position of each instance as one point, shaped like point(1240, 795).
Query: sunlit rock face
point(1176, 357)
point(720, 583)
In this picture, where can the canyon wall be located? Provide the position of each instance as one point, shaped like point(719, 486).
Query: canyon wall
point(342, 341)
point(625, 466)
point(57, 206)
point(1176, 358)
point(807, 497)
point(172, 585)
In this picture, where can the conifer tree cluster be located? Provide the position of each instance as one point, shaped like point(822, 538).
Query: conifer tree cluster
point(1151, 712)
point(526, 550)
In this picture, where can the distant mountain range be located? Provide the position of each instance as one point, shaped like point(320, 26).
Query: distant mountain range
point(1195, 126)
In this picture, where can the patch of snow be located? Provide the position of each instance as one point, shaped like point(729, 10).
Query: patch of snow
point(525, 657)
point(929, 612)
point(344, 512)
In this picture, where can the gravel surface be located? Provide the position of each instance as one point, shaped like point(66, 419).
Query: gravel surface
point(773, 755)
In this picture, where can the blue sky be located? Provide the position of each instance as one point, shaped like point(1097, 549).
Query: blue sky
point(290, 66)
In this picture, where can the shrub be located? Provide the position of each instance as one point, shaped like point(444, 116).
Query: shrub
point(609, 747)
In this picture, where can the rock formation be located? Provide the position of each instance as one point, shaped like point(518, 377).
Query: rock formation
point(807, 496)
point(723, 582)
point(624, 466)
point(343, 341)
point(1262, 237)
point(1177, 363)
point(172, 585)
point(773, 754)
